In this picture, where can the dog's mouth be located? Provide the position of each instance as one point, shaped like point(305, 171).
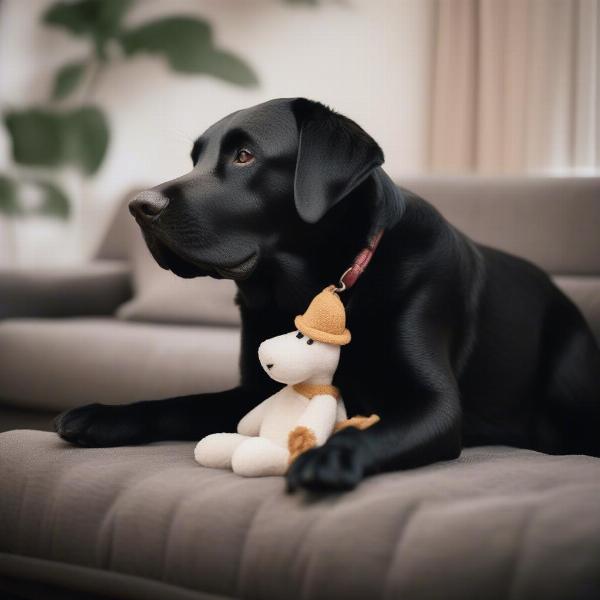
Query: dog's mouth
point(188, 267)
point(240, 271)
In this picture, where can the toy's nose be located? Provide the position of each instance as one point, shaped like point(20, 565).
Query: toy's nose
point(269, 366)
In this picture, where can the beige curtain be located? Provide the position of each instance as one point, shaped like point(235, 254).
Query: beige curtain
point(515, 86)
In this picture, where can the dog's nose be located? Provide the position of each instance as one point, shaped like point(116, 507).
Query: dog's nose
point(148, 205)
point(269, 366)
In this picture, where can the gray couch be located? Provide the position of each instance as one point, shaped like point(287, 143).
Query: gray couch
point(116, 330)
point(148, 522)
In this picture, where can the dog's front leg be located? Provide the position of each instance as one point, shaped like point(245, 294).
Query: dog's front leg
point(420, 422)
point(392, 443)
point(183, 418)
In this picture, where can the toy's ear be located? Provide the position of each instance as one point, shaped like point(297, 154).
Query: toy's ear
point(334, 156)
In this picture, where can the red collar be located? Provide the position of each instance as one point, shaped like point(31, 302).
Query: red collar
point(362, 260)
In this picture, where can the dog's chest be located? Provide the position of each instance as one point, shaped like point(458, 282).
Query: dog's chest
point(285, 408)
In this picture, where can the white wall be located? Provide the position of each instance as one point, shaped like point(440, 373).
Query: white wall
point(365, 58)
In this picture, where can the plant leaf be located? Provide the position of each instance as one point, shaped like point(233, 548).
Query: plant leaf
point(9, 200)
point(36, 137)
point(187, 44)
point(177, 38)
point(98, 19)
point(226, 66)
point(86, 138)
point(55, 202)
point(42, 138)
point(67, 79)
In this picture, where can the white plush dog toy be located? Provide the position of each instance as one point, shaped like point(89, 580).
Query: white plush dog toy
point(305, 412)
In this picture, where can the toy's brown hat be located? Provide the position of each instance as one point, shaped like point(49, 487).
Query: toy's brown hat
point(325, 319)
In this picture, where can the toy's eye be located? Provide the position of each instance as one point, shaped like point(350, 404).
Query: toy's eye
point(309, 341)
point(299, 335)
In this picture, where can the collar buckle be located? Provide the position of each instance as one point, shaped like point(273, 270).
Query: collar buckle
point(341, 283)
point(351, 274)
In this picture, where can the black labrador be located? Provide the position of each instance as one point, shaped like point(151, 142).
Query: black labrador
point(453, 343)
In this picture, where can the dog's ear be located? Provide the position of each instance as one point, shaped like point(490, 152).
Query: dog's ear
point(334, 156)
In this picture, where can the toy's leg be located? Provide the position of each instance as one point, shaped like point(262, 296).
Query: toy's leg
point(216, 450)
point(258, 457)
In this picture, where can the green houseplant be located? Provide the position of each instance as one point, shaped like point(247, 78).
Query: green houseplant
point(49, 137)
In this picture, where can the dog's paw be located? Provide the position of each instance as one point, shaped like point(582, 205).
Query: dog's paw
point(100, 425)
point(338, 465)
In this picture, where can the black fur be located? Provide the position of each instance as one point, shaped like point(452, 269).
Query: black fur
point(453, 343)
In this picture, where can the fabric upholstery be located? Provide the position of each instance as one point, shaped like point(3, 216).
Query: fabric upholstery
point(552, 221)
point(162, 297)
point(496, 523)
point(55, 364)
point(97, 288)
point(13, 417)
point(115, 244)
point(585, 292)
point(36, 579)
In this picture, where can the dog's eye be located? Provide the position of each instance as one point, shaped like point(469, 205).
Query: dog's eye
point(299, 335)
point(309, 341)
point(244, 156)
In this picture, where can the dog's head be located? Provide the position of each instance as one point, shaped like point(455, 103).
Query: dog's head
point(261, 177)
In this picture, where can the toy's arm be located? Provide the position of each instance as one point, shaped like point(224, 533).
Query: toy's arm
point(251, 422)
point(314, 426)
point(341, 414)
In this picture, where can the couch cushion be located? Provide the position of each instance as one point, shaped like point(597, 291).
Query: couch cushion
point(56, 364)
point(585, 292)
point(552, 221)
point(14, 417)
point(96, 288)
point(162, 297)
point(498, 522)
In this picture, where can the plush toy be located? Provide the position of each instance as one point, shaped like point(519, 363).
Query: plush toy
point(301, 415)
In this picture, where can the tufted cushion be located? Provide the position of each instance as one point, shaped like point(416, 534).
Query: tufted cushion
point(498, 522)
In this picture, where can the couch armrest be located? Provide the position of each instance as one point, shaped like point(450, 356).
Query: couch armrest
point(96, 288)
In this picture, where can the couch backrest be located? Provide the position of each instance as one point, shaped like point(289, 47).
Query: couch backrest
point(160, 296)
point(552, 221)
point(115, 244)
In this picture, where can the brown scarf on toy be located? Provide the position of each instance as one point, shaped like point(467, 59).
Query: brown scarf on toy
point(310, 390)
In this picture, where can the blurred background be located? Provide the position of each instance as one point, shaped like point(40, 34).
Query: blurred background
point(100, 97)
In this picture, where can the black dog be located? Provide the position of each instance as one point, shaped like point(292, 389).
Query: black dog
point(454, 343)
